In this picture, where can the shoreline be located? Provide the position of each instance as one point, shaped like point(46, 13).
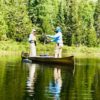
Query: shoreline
point(11, 47)
point(76, 55)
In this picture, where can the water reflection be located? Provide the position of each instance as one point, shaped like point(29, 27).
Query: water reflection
point(31, 78)
point(84, 76)
point(97, 84)
point(56, 84)
point(12, 79)
point(45, 82)
point(49, 82)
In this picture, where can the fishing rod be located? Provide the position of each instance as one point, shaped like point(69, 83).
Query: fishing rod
point(44, 39)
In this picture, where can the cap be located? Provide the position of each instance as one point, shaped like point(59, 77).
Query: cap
point(34, 30)
point(58, 29)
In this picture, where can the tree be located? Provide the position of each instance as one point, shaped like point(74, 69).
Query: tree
point(41, 14)
point(19, 25)
point(72, 22)
point(97, 21)
point(3, 24)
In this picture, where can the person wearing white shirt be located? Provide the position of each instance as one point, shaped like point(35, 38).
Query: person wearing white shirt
point(32, 41)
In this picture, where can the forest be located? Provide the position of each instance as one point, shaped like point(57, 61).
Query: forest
point(78, 19)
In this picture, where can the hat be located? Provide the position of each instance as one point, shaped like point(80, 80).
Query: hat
point(58, 29)
point(33, 30)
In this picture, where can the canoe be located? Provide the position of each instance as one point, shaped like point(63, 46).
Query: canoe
point(49, 59)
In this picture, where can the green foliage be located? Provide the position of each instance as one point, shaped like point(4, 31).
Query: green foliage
point(14, 20)
point(18, 22)
point(97, 21)
point(41, 14)
point(91, 37)
point(3, 24)
point(78, 19)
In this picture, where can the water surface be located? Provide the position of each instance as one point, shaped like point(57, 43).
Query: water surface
point(30, 81)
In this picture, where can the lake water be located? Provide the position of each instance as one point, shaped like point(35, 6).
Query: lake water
point(30, 81)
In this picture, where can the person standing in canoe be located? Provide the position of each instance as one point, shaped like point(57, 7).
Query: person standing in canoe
point(32, 41)
point(59, 42)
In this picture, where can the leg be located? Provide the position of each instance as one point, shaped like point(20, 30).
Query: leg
point(56, 51)
point(60, 52)
point(32, 50)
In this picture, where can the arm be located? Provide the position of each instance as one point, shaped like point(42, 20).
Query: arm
point(53, 36)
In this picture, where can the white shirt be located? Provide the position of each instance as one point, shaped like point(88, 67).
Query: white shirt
point(32, 37)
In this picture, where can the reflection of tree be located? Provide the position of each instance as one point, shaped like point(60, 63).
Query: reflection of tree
point(12, 79)
point(48, 83)
point(97, 84)
point(67, 74)
point(55, 88)
point(83, 80)
point(44, 75)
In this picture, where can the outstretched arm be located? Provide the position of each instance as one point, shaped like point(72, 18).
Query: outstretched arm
point(55, 38)
point(50, 36)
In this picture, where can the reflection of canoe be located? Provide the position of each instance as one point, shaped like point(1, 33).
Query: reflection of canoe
point(50, 59)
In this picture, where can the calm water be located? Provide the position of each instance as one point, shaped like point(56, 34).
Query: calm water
point(26, 81)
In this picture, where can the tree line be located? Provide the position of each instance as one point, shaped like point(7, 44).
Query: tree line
point(79, 19)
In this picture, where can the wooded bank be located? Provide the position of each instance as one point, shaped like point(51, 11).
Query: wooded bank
point(79, 20)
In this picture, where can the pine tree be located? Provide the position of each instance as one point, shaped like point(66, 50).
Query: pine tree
point(91, 33)
point(86, 12)
point(97, 21)
point(72, 21)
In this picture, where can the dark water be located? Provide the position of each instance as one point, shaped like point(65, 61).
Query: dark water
point(26, 81)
